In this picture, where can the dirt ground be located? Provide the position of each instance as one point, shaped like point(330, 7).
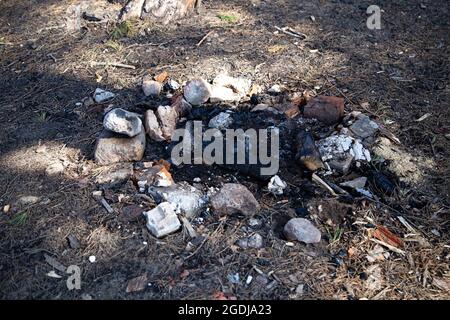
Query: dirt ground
point(396, 75)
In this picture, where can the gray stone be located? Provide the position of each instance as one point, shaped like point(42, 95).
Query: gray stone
point(152, 126)
point(265, 107)
point(222, 121)
point(151, 88)
point(186, 198)
point(101, 95)
point(197, 91)
point(364, 127)
point(115, 174)
point(168, 118)
point(122, 121)
point(162, 220)
point(112, 148)
point(254, 241)
point(301, 230)
point(358, 183)
point(234, 198)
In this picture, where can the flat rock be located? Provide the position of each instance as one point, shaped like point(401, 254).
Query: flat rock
point(115, 174)
point(223, 94)
point(222, 121)
point(265, 107)
point(364, 127)
point(101, 95)
point(301, 230)
point(152, 126)
point(234, 198)
point(326, 109)
point(186, 198)
point(358, 183)
point(240, 86)
point(122, 121)
point(130, 213)
point(112, 148)
point(168, 118)
point(197, 91)
point(162, 220)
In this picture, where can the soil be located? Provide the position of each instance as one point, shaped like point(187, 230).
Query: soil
point(396, 75)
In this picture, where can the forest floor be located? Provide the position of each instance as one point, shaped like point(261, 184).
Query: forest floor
point(396, 75)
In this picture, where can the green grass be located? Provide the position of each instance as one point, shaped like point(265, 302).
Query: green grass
point(335, 235)
point(113, 44)
point(42, 116)
point(227, 17)
point(19, 219)
point(122, 30)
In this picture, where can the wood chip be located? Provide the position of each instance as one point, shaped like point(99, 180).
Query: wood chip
point(162, 77)
point(386, 236)
point(137, 284)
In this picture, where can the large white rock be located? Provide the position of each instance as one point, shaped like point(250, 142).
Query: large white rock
point(122, 121)
point(186, 198)
point(239, 85)
point(162, 220)
point(229, 89)
point(197, 91)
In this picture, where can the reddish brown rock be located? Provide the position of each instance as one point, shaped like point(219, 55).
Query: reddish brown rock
point(326, 109)
point(112, 148)
point(235, 198)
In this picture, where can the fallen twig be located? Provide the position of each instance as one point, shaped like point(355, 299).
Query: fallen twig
point(112, 64)
point(291, 32)
point(392, 248)
point(204, 38)
point(106, 205)
point(323, 184)
point(189, 228)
